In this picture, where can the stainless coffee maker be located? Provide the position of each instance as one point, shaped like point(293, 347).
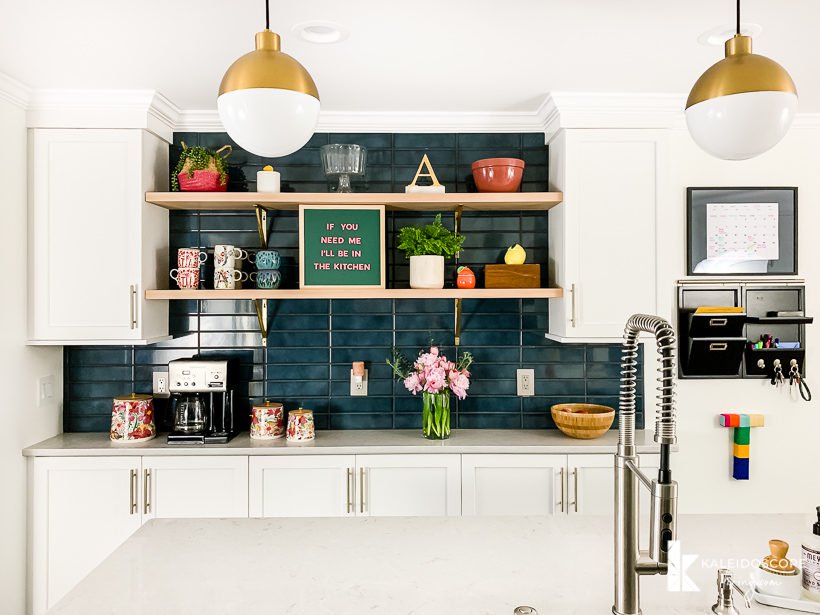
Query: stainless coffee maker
point(201, 401)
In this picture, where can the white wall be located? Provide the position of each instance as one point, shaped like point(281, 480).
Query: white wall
point(21, 422)
point(785, 454)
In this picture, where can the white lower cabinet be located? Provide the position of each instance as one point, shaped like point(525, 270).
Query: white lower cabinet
point(360, 485)
point(82, 508)
point(522, 485)
point(302, 486)
point(196, 487)
point(409, 485)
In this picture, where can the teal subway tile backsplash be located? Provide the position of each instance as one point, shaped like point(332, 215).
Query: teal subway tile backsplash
point(312, 343)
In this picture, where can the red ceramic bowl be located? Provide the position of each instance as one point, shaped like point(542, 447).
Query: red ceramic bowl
point(498, 174)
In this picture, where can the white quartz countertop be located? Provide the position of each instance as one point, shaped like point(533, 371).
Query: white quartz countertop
point(418, 566)
point(350, 442)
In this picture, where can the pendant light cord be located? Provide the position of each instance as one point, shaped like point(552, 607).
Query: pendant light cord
point(738, 17)
point(267, 14)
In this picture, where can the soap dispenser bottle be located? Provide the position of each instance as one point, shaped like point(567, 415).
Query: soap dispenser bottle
point(726, 585)
point(811, 562)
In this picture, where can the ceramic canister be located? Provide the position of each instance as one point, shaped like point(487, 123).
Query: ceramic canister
point(300, 425)
point(132, 418)
point(267, 421)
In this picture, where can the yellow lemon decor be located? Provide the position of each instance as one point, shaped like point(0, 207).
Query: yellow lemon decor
point(515, 255)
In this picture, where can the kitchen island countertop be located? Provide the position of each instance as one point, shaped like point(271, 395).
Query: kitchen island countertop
point(423, 566)
point(349, 442)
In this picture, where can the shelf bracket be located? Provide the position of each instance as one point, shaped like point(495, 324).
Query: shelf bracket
point(457, 313)
point(262, 316)
point(262, 225)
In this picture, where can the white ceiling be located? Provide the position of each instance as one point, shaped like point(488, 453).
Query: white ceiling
point(401, 55)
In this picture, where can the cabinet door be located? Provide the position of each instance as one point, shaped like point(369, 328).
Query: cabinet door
point(82, 508)
point(408, 485)
point(591, 484)
point(513, 485)
point(195, 487)
point(85, 232)
point(302, 486)
point(604, 233)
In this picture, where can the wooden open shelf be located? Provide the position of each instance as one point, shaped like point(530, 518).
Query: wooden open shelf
point(360, 293)
point(222, 201)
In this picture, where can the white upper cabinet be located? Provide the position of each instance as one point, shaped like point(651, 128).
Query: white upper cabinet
point(602, 246)
point(94, 244)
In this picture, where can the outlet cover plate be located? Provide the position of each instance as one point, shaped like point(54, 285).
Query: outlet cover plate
point(358, 389)
point(525, 382)
point(160, 388)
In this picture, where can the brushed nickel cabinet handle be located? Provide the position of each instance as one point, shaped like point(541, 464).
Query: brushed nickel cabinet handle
point(132, 492)
point(146, 492)
point(575, 482)
point(361, 490)
point(572, 297)
point(718, 346)
point(718, 322)
point(562, 490)
point(349, 490)
point(133, 303)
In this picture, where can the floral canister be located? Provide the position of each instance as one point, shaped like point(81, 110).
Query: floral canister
point(300, 425)
point(132, 419)
point(267, 421)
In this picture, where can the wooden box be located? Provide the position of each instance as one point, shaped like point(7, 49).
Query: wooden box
point(512, 276)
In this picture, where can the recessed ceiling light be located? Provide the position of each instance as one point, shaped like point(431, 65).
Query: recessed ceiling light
point(717, 36)
point(321, 32)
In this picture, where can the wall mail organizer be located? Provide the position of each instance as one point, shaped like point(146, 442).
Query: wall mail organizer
point(737, 329)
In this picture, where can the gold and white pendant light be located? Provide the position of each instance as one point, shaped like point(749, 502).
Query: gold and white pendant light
point(743, 105)
point(268, 102)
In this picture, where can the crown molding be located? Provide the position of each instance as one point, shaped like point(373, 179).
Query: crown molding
point(393, 121)
point(145, 109)
point(14, 92)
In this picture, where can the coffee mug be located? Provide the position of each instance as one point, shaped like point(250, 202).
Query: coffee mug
point(268, 259)
point(226, 278)
point(227, 255)
point(186, 277)
point(267, 278)
point(190, 257)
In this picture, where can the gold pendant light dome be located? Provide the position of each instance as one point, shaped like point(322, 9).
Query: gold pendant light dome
point(268, 102)
point(743, 105)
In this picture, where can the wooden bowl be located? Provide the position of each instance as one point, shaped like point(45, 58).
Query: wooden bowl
point(584, 421)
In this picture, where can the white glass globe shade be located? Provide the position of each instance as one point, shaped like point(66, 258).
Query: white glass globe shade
point(268, 122)
point(741, 126)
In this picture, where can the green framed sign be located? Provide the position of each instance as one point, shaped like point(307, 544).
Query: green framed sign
point(341, 247)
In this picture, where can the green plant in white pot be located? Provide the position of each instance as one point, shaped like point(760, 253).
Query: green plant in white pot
point(426, 247)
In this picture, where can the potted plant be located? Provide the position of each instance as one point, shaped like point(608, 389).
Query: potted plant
point(426, 248)
point(201, 170)
point(434, 377)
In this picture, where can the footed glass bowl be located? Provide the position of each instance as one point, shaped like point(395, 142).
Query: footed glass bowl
point(343, 160)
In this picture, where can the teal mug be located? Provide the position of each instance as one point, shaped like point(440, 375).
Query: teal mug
point(267, 278)
point(268, 259)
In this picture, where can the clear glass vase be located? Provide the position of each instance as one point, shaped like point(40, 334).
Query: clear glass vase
point(436, 415)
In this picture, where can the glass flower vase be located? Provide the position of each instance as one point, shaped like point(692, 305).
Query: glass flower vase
point(436, 415)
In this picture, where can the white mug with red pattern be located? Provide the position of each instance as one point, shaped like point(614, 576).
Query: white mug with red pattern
point(227, 255)
point(188, 258)
point(186, 277)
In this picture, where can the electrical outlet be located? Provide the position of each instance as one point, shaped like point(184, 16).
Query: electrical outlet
point(160, 387)
point(358, 389)
point(525, 379)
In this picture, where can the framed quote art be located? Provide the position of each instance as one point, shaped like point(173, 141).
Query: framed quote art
point(341, 247)
point(741, 231)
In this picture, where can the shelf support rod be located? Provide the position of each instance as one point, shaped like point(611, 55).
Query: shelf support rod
point(457, 310)
point(262, 225)
point(457, 223)
point(262, 316)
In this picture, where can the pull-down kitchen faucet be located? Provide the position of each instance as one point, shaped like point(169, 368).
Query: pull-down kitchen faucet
point(630, 561)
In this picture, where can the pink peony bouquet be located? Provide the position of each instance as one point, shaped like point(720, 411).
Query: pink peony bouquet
point(433, 373)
